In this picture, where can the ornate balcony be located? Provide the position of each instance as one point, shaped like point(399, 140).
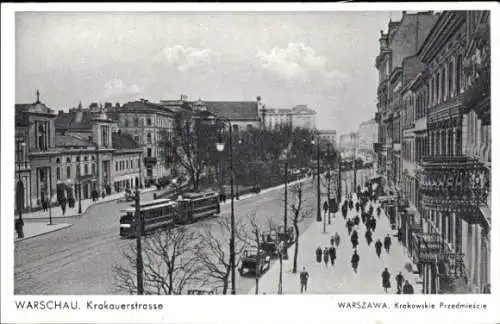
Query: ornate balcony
point(455, 184)
point(451, 273)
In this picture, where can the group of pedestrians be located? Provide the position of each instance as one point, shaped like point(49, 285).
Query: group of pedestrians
point(328, 254)
point(405, 289)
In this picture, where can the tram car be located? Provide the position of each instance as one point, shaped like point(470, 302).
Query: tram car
point(193, 206)
point(156, 214)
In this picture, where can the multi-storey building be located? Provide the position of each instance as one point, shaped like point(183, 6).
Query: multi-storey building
point(446, 156)
point(145, 122)
point(402, 40)
point(298, 116)
point(329, 136)
point(367, 137)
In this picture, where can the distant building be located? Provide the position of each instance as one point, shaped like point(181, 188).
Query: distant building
point(298, 116)
point(367, 135)
point(329, 136)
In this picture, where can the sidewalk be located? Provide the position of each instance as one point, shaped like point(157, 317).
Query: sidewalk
point(71, 212)
point(33, 229)
point(339, 279)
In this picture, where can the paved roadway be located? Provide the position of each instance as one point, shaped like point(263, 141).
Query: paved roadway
point(80, 259)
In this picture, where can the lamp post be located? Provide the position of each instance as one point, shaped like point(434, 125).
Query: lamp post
point(220, 147)
point(79, 184)
point(318, 189)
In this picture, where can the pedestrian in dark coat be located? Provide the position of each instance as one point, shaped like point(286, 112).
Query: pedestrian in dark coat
point(378, 212)
point(44, 204)
point(407, 288)
point(355, 261)
point(325, 207)
point(349, 225)
point(325, 256)
point(332, 240)
point(387, 243)
point(337, 239)
point(333, 254)
point(373, 224)
point(399, 282)
point(386, 279)
point(356, 220)
point(319, 254)
point(368, 236)
point(354, 239)
point(304, 276)
point(378, 247)
point(400, 234)
point(19, 225)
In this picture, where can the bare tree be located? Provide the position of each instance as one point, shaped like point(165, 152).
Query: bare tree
point(169, 264)
point(213, 250)
point(298, 214)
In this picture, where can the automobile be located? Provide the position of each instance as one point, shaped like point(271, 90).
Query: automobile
point(253, 263)
point(129, 196)
point(268, 243)
point(287, 236)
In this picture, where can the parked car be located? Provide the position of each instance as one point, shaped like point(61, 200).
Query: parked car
point(253, 263)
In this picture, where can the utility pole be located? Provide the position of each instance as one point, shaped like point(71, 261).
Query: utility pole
point(318, 189)
point(138, 234)
point(339, 183)
point(285, 220)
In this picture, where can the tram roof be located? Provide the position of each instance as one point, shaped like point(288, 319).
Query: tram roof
point(195, 195)
point(166, 203)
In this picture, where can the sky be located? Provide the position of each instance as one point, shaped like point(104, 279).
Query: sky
point(324, 60)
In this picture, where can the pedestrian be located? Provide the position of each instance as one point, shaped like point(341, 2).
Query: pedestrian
point(44, 204)
point(355, 261)
point(304, 276)
point(354, 239)
point(373, 224)
point(378, 247)
point(368, 236)
point(19, 227)
point(399, 282)
point(400, 234)
point(63, 205)
point(337, 239)
point(325, 207)
point(349, 226)
point(378, 212)
point(386, 279)
point(325, 256)
point(407, 288)
point(387, 243)
point(333, 254)
point(319, 254)
point(356, 220)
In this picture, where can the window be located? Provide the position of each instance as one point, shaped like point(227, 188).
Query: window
point(149, 138)
point(148, 121)
point(131, 164)
point(86, 169)
point(77, 159)
point(104, 136)
point(126, 164)
point(450, 79)
point(450, 142)
point(93, 169)
point(136, 122)
point(149, 152)
point(68, 172)
point(85, 158)
point(93, 157)
point(78, 173)
point(443, 143)
point(116, 166)
point(458, 147)
point(58, 173)
point(125, 122)
point(58, 161)
point(458, 83)
point(438, 79)
point(443, 86)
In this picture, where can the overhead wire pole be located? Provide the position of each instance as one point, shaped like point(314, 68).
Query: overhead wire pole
point(318, 189)
point(138, 233)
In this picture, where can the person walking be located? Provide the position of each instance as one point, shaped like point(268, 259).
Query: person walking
point(333, 254)
point(349, 226)
point(337, 239)
point(325, 207)
point(378, 247)
point(386, 279)
point(407, 288)
point(319, 254)
point(355, 261)
point(354, 239)
point(378, 212)
point(19, 227)
point(304, 277)
point(368, 236)
point(325, 256)
point(399, 282)
point(332, 240)
point(387, 243)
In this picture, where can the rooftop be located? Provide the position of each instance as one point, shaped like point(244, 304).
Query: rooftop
point(234, 110)
point(124, 141)
point(71, 141)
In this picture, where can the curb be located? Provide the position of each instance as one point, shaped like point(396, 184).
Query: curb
point(83, 210)
point(40, 234)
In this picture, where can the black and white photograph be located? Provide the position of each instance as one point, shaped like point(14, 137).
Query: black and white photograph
point(329, 152)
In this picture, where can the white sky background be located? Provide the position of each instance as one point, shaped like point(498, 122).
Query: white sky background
point(322, 59)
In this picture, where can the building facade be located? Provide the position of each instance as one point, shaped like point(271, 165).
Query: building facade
point(329, 136)
point(445, 201)
point(367, 135)
point(298, 116)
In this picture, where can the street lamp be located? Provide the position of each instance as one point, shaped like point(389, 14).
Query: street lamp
point(220, 147)
point(318, 189)
point(79, 184)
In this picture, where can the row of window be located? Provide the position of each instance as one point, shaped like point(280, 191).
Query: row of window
point(69, 174)
point(148, 121)
point(445, 142)
point(127, 164)
point(447, 82)
point(77, 159)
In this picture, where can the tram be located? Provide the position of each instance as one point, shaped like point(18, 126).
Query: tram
point(193, 206)
point(155, 214)
point(161, 213)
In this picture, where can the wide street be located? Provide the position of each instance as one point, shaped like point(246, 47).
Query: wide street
point(80, 259)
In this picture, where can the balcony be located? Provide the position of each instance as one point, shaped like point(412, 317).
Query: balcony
point(150, 161)
point(451, 273)
point(455, 184)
